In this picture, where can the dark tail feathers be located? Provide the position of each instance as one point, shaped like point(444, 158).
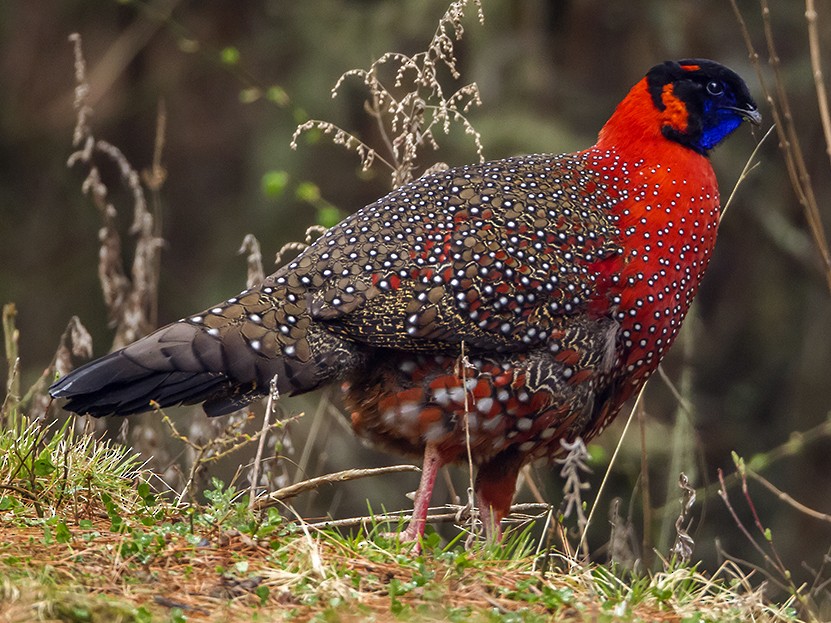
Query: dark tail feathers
point(176, 364)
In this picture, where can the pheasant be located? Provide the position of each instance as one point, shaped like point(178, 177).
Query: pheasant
point(564, 279)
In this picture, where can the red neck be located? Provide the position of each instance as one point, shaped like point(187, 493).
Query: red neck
point(634, 131)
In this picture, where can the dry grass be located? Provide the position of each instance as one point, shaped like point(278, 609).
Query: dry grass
point(221, 574)
point(408, 103)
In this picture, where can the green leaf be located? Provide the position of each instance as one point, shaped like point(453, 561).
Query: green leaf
point(307, 191)
point(62, 533)
point(300, 116)
point(143, 615)
point(328, 216)
point(229, 55)
point(277, 95)
point(115, 523)
point(146, 495)
point(262, 592)
point(274, 183)
point(43, 466)
point(597, 454)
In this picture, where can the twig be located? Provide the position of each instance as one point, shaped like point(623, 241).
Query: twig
point(227, 442)
point(21, 492)
point(683, 403)
point(816, 67)
point(774, 560)
point(403, 517)
point(311, 437)
point(297, 488)
point(742, 563)
point(528, 476)
point(646, 496)
point(129, 300)
point(739, 524)
point(784, 497)
point(374, 111)
point(166, 602)
point(411, 110)
point(273, 395)
point(10, 337)
point(795, 444)
point(749, 165)
point(545, 541)
point(461, 371)
point(154, 178)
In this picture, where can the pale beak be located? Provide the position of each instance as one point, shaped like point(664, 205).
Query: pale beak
point(751, 114)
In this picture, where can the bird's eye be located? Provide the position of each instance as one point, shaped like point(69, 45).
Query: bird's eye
point(715, 88)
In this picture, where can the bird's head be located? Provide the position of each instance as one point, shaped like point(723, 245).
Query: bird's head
point(700, 102)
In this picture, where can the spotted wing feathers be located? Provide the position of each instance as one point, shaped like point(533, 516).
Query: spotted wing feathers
point(491, 255)
point(487, 254)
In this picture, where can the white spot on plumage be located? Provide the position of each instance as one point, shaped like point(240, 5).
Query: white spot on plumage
point(484, 405)
point(524, 424)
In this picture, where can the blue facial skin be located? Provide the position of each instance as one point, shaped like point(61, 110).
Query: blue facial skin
point(718, 122)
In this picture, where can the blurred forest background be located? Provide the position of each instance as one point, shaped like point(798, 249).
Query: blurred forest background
point(754, 362)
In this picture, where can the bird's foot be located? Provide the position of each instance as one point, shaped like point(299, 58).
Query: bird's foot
point(410, 535)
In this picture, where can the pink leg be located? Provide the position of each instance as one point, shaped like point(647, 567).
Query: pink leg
point(415, 530)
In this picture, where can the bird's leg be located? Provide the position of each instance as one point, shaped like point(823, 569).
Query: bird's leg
point(429, 470)
point(495, 487)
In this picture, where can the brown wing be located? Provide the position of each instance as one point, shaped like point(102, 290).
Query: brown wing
point(490, 255)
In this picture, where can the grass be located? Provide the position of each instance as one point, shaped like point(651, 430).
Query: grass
point(86, 539)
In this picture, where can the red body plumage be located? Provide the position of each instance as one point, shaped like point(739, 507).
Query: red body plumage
point(668, 226)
